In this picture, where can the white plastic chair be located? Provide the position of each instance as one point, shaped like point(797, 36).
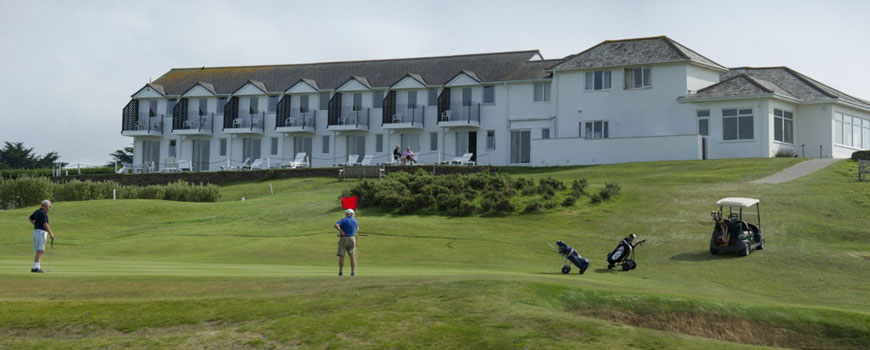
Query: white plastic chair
point(464, 160)
point(299, 162)
point(183, 165)
point(367, 160)
point(445, 116)
point(257, 164)
point(169, 165)
point(351, 159)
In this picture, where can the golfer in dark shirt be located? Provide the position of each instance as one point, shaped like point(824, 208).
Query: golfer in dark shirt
point(41, 232)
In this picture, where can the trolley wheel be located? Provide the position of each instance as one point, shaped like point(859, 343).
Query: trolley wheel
point(566, 269)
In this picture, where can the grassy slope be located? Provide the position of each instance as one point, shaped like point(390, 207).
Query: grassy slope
point(258, 273)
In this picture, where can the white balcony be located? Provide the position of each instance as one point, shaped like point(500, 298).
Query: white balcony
point(144, 125)
point(408, 117)
point(245, 124)
point(298, 122)
point(460, 114)
point(351, 119)
point(194, 124)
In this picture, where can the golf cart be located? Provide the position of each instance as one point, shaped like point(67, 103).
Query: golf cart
point(732, 233)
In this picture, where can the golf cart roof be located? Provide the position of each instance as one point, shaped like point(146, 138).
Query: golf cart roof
point(737, 202)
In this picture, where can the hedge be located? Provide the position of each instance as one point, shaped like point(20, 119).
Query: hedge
point(15, 173)
point(860, 155)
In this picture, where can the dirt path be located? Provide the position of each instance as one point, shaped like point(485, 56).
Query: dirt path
point(798, 170)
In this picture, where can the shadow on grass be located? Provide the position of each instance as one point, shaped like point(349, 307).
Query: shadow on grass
point(702, 255)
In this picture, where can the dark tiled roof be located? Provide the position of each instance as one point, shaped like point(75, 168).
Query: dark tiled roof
point(779, 80)
point(614, 53)
point(503, 66)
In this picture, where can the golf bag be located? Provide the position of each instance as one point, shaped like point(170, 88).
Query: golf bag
point(572, 255)
point(623, 255)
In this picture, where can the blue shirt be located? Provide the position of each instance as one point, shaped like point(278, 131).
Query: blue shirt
point(40, 218)
point(348, 225)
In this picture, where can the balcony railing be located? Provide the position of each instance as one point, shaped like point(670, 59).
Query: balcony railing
point(413, 114)
point(351, 116)
point(195, 121)
point(247, 121)
point(298, 119)
point(468, 112)
point(146, 123)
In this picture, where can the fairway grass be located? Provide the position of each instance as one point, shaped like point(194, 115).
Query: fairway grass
point(261, 273)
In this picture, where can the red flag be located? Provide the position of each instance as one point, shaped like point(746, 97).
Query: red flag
point(348, 202)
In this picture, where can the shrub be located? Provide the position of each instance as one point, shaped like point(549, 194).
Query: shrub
point(596, 198)
point(27, 191)
point(860, 155)
point(550, 204)
point(609, 190)
point(785, 153)
point(579, 185)
point(533, 207)
point(23, 191)
point(569, 201)
point(549, 184)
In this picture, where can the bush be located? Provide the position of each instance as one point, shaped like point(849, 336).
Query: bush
point(550, 185)
point(16, 173)
point(609, 190)
point(569, 201)
point(860, 155)
point(596, 198)
point(24, 191)
point(532, 208)
point(785, 153)
point(579, 185)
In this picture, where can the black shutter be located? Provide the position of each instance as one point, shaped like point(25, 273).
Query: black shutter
point(389, 107)
point(443, 102)
point(130, 115)
point(282, 111)
point(231, 110)
point(334, 109)
point(179, 112)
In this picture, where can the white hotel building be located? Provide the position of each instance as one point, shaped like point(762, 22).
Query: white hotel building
point(620, 101)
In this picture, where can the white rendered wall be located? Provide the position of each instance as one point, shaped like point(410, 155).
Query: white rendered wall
point(840, 151)
point(551, 152)
point(718, 148)
point(698, 78)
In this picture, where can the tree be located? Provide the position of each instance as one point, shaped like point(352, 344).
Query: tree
point(122, 156)
point(15, 156)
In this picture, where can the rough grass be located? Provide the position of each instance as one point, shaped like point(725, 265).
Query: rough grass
point(260, 273)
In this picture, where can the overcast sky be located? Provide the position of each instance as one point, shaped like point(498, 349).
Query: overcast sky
point(69, 67)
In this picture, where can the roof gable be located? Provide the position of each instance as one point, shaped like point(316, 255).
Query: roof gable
point(410, 81)
point(629, 52)
point(252, 87)
point(200, 90)
point(796, 84)
point(464, 78)
point(150, 90)
point(303, 86)
point(740, 85)
point(355, 83)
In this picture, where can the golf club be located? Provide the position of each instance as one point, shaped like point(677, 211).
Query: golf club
point(48, 260)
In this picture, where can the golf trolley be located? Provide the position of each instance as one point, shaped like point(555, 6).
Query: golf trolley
point(570, 254)
point(732, 233)
point(623, 255)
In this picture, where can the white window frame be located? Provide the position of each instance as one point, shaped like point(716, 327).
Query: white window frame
point(324, 144)
point(738, 116)
point(541, 92)
point(645, 76)
point(705, 118)
point(223, 147)
point(490, 140)
point(545, 133)
point(856, 126)
point(606, 77)
point(273, 146)
point(604, 130)
point(782, 118)
point(433, 141)
point(379, 143)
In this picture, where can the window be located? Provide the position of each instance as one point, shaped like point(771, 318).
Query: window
point(221, 103)
point(324, 101)
point(303, 144)
point(636, 78)
point(378, 99)
point(598, 80)
point(274, 148)
point(851, 131)
point(597, 129)
point(303, 103)
point(171, 148)
point(541, 92)
point(251, 149)
point(412, 140)
point(356, 144)
point(461, 143)
point(433, 141)
point(489, 94)
point(433, 97)
point(203, 106)
point(379, 143)
point(737, 124)
point(325, 144)
point(704, 122)
point(170, 106)
point(152, 108)
point(273, 103)
point(783, 126)
point(545, 133)
point(151, 154)
point(412, 99)
point(521, 146)
point(490, 140)
point(223, 148)
point(357, 101)
point(466, 96)
point(254, 105)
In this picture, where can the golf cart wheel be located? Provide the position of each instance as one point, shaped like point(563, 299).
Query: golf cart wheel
point(746, 250)
point(760, 239)
point(714, 251)
point(566, 269)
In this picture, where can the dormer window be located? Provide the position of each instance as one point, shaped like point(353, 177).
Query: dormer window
point(598, 80)
point(636, 78)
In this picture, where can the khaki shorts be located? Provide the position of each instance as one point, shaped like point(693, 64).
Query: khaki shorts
point(346, 244)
